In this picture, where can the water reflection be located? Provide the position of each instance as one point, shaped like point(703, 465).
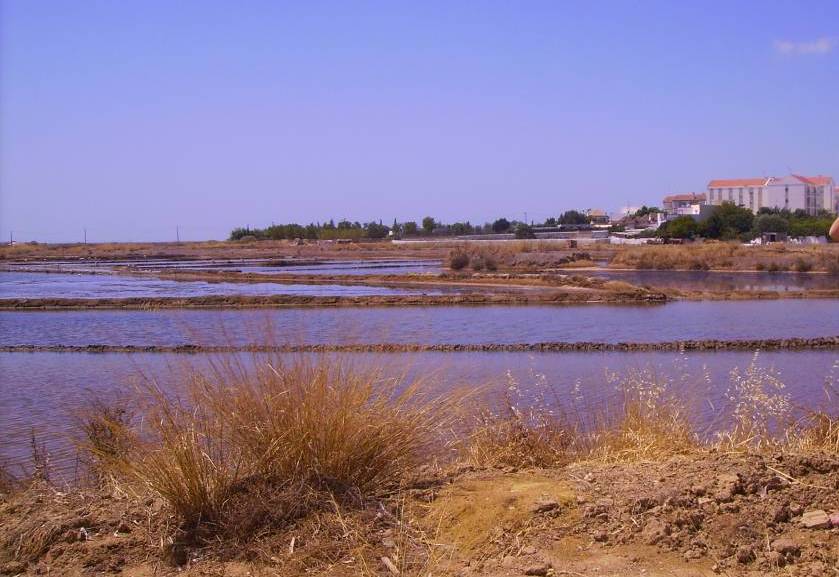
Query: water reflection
point(42, 391)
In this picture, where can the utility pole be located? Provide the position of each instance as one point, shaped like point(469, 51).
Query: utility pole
point(11, 238)
point(85, 235)
point(177, 234)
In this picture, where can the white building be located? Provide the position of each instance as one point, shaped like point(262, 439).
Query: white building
point(793, 192)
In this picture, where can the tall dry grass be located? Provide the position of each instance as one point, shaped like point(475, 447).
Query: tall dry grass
point(512, 434)
point(298, 434)
point(729, 255)
point(651, 420)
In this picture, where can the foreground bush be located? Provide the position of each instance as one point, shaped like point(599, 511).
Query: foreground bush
point(302, 434)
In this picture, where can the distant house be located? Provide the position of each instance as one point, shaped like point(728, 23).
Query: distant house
point(683, 204)
point(597, 216)
point(793, 192)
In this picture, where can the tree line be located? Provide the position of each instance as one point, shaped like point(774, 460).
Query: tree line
point(731, 222)
point(428, 226)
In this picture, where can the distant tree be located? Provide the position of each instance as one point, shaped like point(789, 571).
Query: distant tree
point(729, 221)
point(409, 228)
point(461, 228)
point(240, 233)
point(376, 230)
point(501, 225)
point(551, 222)
point(646, 210)
point(680, 227)
point(524, 231)
point(573, 217)
point(770, 223)
point(428, 224)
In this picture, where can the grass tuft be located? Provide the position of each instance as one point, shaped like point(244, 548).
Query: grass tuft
point(287, 436)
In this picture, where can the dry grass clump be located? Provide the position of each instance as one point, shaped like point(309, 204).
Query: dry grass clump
point(685, 257)
point(818, 433)
point(760, 409)
point(106, 436)
point(516, 438)
point(281, 439)
point(651, 421)
point(481, 257)
point(728, 255)
point(8, 483)
point(518, 434)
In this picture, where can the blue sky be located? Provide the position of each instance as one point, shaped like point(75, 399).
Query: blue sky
point(132, 118)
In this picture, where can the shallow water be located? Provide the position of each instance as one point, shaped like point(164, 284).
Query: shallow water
point(723, 281)
point(19, 285)
point(43, 392)
point(356, 267)
point(761, 319)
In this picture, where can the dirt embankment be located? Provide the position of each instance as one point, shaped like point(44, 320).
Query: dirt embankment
point(791, 344)
point(215, 250)
point(279, 301)
point(703, 514)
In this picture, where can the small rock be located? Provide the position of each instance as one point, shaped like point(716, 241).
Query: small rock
point(508, 561)
point(655, 530)
point(589, 477)
point(775, 559)
point(388, 542)
point(815, 519)
point(83, 534)
point(834, 519)
point(544, 505)
point(529, 550)
point(785, 546)
point(745, 555)
point(781, 514)
point(540, 570)
point(601, 536)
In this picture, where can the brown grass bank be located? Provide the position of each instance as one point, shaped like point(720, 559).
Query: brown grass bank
point(730, 256)
point(314, 469)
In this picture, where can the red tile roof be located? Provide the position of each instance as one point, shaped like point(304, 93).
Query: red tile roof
point(736, 182)
point(814, 180)
point(686, 197)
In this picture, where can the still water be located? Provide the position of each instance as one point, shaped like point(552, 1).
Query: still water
point(30, 285)
point(759, 319)
point(43, 392)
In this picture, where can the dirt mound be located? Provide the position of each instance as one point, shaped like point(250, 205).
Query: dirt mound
point(740, 512)
point(699, 515)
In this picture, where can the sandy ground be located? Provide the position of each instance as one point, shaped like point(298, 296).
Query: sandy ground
point(709, 513)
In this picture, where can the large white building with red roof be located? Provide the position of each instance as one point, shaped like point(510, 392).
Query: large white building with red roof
point(793, 192)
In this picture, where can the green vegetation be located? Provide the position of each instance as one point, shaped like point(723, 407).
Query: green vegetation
point(731, 222)
point(524, 231)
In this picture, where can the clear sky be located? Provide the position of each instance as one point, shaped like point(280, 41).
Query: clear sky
point(131, 118)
